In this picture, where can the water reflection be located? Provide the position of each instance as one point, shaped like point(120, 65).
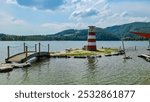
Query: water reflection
point(25, 75)
point(8, 76)
point(92, 63)
point(90, 76)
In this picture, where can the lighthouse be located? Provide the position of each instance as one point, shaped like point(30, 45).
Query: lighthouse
point(91, 39)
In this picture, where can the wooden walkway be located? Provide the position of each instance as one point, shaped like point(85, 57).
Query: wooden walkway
point(22, 57)
point(26, 54)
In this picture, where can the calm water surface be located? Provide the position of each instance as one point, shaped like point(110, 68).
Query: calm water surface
point(106, 70)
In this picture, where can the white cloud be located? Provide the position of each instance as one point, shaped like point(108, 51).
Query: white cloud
point(79, 14)
point(88, 8)
point(120, 18)
point(11, 1)
point(6, 19)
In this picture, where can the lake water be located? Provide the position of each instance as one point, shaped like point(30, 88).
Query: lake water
point(100, 71)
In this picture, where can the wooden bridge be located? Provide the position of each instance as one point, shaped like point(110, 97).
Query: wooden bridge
point(26, 54)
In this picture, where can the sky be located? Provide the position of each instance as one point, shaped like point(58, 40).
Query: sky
point(32, 17)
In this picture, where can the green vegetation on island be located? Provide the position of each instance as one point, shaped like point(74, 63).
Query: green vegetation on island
point(82, 52)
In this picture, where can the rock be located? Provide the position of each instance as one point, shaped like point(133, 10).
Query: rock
point(80, 56)
point(5, 68)
point(127, 57)
point(21, 65)
point(107, 55)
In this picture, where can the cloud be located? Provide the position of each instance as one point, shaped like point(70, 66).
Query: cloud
point(88, 8)
point(85, 13)
point(41, 4)
point(11, 1)
point(10, 24)
point(6, 19)
point(120, 18)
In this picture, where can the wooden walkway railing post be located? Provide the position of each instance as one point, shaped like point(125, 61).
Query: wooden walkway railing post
point(35, 47)
point(26, 51)
point(39, 47)
point(24, 47)
point(48, 48)
point(8, 51)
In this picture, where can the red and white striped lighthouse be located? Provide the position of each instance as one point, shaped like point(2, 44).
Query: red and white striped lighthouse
point(91, 39)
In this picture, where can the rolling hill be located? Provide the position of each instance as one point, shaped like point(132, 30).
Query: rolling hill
point(106, 34)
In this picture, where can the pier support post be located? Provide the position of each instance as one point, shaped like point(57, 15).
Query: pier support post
point(39, 47)
point(48, 48)
point(26, 51)
point(35, 48)
point(24, 46)
point(8, 51)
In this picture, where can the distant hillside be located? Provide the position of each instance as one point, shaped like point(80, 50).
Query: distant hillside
point(107, 34)
point(73, 34)
point(124, 30)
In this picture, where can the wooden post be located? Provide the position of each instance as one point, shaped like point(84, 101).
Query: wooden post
point(39, 47)
point(8, 52)
point(120, 47)
point(24, 47)
point(48, 48)
point(26, 51)
point(135, 48)
point(35, 48)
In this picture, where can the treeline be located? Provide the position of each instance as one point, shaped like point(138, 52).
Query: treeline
point(106, 34)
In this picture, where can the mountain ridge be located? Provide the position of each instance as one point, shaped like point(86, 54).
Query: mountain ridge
point(105, 34)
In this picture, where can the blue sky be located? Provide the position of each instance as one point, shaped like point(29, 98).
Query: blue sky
point(24, 17)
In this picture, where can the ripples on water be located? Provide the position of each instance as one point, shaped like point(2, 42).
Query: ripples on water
point(102, 71)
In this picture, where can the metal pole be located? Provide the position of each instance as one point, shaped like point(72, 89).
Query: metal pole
point(123, 48)
point(149, 47)
point(39, 47)
point(48, 48)
point(35, 48)
point(24, 46)
point(26, 51)
point(135, 48)
point(149, 44)
point(8, 52)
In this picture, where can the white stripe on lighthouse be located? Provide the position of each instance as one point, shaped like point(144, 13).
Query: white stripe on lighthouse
point(91, 37)
point(92, 43)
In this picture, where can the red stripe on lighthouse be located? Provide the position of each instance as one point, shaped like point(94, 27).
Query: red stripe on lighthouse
point(91, 48)
point(91, 40)
point(91, 33)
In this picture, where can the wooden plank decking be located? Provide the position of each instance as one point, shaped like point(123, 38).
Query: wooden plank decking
point(21, 58)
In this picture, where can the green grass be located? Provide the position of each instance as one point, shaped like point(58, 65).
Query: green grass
point(80, 52)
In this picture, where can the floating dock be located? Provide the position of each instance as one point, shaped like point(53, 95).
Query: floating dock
point(145, 56)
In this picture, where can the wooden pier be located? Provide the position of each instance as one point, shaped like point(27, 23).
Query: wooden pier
point(26, 54)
